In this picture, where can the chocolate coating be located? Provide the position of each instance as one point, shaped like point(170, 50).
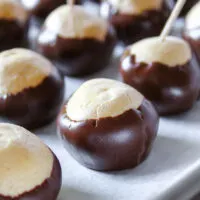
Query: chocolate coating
point(77, 57)
point(171, 89)
point(49, 189)
point(193, 38)
point(110, 143)
point(12, 34)
point(34, 107)
point(131, 28)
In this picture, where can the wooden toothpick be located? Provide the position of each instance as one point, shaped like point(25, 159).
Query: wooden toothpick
point(175, 13)
point(70, 2)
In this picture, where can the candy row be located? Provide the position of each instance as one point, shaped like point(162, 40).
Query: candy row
point(105, 125)
point(74, 39)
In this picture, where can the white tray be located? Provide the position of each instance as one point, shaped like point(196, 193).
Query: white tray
point(171, 172)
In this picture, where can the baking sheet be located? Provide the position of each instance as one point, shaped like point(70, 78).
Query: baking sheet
point(171, 172)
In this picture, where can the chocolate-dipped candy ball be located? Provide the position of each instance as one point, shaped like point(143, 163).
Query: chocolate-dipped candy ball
point(192, 29)
point(136, 19)
point(107, 125)
point(80, 42)
point(41, 8)
point(31, 89)
point(13, 24)
point(163, 72)
point(29, 170)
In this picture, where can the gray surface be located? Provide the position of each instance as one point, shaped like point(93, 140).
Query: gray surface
point(171, 172)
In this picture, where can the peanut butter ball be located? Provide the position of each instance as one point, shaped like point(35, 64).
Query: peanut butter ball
point(13, 24)
point(29, 169)
point(31, 88)
point(77, 41)
point(163, 71)
point(134, 20)
point(107, 125)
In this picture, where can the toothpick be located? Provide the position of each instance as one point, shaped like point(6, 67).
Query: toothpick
point(71, 5)
point(70, 2)
point(175, 13)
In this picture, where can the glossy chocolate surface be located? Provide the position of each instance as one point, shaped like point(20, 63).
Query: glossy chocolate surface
point(77, 57)
point(110, 143)
point(12, 34)
point(171, 89)
point(34, 107)
point(131, 28)
point(193, 38)
point(48, 190)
